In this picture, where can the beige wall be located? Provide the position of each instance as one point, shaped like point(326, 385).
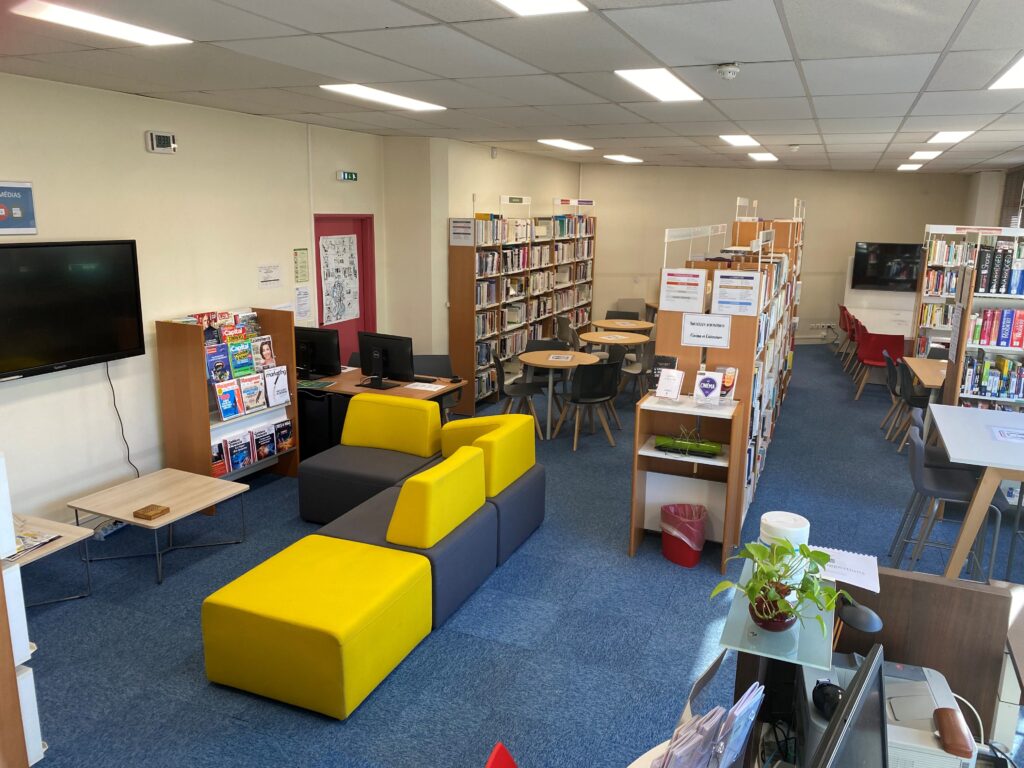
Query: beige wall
point(985, 198)
point(636, 204)
point(238, 194)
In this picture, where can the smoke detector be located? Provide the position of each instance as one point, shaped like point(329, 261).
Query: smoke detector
point(728, 71)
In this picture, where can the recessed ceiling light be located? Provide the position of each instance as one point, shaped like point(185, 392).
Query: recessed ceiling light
point(909, 167)
point(383, 97)
point(564, 144)
point(90, 22)
point(660, 83)
point(949, 137)
point(541, 7)
point(741, 141)
point(1011, 78)
point(762, 157)
point(623, 158)
point(926, 155)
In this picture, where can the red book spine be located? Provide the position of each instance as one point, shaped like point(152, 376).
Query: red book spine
point(986, 326)
point(1017, 339)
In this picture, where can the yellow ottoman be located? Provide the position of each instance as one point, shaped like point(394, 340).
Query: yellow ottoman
point(319, 624)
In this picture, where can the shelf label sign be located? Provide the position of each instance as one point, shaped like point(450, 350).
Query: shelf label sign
point(17, 208)
point(579, 203)
point(707, 331)
point(736, 292)
point(514, 200)
point(460, 232)
point(682, 290)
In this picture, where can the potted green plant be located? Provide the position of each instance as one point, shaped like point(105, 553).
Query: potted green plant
point(784, 585)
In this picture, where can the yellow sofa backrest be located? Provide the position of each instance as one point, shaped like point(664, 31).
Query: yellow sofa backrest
point(436, 501)
point(507, 442)
point(393, 423)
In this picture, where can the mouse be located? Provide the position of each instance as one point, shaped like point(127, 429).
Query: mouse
point(827, 696)
point(455, 379)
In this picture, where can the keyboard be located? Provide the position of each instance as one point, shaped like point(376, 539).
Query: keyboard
point(424, 379)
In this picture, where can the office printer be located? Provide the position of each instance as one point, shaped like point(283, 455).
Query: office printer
point(911, 693)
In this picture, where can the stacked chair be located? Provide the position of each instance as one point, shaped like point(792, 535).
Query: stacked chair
point(322, 623)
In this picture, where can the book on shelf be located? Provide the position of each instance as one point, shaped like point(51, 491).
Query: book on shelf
point(254, 395)
point(232, 333)
point(247, 319)
point(218, 458)
point(240, 358)
point(488, 263)
point(262, 352)
point(284, 436)
point(276, 379)
point(229, 399)
point(997, 328)
point(729, 376)
point(264, 440)
point(240, 450)
point(218, 366)
point(996, 377)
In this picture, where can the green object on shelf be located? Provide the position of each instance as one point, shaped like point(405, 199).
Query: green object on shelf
point(682, 445)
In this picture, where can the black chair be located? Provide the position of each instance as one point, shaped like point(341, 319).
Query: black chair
point(892, 381)
point(592, 385)
point(439, 366)
point(618, 314)
point(522, 392)
point(533, 375)
point(912, 398)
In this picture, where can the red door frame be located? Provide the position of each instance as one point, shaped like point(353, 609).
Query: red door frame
point(361, 225)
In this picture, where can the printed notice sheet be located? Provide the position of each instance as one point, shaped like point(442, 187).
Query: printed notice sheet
point(851, 568)
point(339, 274)
point(682, 290)
point(736, 292)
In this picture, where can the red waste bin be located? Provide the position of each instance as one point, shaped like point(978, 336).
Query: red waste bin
point(682, 533)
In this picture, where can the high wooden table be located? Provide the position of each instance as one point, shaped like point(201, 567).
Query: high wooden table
point(932, 375)
point(622, 325)
point(970, 437)
point(68, 535)
point(184, 493)
point(348, 383)
point(542, 359)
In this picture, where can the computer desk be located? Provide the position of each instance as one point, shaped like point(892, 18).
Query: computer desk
point(347, 383)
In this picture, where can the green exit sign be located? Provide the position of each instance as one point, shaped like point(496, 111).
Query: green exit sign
point(348, 176)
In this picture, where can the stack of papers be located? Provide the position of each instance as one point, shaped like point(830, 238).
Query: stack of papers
point(29, 540)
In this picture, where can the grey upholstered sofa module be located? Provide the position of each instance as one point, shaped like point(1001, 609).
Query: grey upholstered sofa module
point(520, 510)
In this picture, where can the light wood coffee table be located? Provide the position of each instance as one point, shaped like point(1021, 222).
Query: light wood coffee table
point(68, 535)
point(184, 493)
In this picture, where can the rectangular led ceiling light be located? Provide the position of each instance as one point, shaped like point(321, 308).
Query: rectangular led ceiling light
point(542, 7)
point(660, 83)
point(564, 144)
point(90, 22)
point(741, 141)
point(383, 97)
point(1011, 78)
point(926, 154)
point(762, 157)
point(623, 158)
point(949, 137)
point(909, 167)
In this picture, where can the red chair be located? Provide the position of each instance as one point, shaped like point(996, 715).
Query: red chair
point(856, 329)
point(500, 758)
point(869, 354)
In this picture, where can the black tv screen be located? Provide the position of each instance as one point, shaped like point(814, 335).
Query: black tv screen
point(64, 305)
point(886, 266)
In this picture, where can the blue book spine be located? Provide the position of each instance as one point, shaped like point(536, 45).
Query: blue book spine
point(1005, 327)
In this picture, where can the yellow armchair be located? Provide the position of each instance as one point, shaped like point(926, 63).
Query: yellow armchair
point(393, 423)
point(507, 442)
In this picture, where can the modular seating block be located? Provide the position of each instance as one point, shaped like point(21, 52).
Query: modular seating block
point(520, 510)
point(459, 563)
point(320, 624)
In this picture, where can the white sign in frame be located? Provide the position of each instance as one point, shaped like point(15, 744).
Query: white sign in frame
point(707, 331)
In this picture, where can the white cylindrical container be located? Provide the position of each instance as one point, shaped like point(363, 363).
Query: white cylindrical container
point(776, 526)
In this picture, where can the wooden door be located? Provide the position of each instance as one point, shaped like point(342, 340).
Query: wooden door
point(332, 226)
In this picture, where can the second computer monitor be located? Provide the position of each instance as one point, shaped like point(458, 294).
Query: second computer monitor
point(394, 354)
point(317, 352)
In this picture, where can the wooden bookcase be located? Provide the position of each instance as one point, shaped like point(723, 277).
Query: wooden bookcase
point(188, 425)
point(509, 287)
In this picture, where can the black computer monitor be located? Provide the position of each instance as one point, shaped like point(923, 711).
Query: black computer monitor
point(317, 352)
point(856, 734)
point(385, 357)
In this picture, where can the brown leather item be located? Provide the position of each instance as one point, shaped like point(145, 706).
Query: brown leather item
point(151, 512)
point(954, 735)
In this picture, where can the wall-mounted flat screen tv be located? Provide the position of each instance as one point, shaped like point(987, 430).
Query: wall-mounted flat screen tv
point(886, 266)
point(64, 305)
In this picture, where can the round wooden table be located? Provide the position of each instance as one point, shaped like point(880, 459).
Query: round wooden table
point(542, 359)
point(626, 339)
point(622, 325)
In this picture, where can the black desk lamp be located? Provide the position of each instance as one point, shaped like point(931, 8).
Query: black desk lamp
point(860, 617)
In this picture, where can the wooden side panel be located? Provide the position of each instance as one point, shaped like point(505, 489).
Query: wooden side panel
point(184, 399)
point(745, 231)
point(462, 321)
point(13, 753)
point(955, 370)
point(281, 325)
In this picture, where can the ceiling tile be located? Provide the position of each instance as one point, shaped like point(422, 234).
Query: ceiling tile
point(455, 118)
point(989, 135)
point(608, 85)
point(859, 124)
point(676, 111)
point(1007, 123)
point(334, 15)
point(448, 93)
point(967, 102)
point(912, 137)
point(317, 54)
point(520, 117)
point(879, 74)
point(708, 128)
point(992, 21)
point(113, 78)
point(386, 120)
point(255, 101)
point(533, 90)
point(827, 29)
point(981, 147)
point(880, 105)
point(855, 149)
point(947, 122)
point(970, 70)
point(832, 139)
point(651, 142)
point(707, 33)
point(757, 81)
point(438, 49)
point(460, 10)
point(500, 134)
point(765, 109)
point(785, 150)
point(20, 36)
point(567, 42)
point(329, 121)
point(628, 130)
point(791, 138)
point(194, 19)
point(770, 127)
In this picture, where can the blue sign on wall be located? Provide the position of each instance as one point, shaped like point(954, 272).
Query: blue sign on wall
point(17, 208)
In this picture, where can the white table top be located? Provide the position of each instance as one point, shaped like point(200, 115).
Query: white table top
point(886, 321)
point(969, 436)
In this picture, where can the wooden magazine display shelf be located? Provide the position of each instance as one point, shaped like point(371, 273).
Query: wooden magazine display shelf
point(189, 426)
point(509, 279)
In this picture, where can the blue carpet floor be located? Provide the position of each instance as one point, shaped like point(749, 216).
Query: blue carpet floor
point(572, 653)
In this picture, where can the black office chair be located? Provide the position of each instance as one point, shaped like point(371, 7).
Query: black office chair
point(592, 385)
point(896, 413)
point(912, 397)
point(353, 360)
point(532, 375)
point(618, 314)
point(439, 366)
point(517, 391)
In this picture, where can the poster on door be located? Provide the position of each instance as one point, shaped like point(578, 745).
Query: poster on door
point(339, 278)
point(17, 208)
